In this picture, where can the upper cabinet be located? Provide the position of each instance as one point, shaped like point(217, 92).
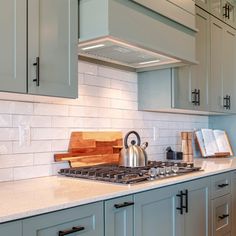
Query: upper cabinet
point(191, 82)
point(183, 87)
point(204, 4)
point(208, 87)
point(39, 40)
point(13, 46)
point(224, 10)
point(223, 71)
point(52, 47)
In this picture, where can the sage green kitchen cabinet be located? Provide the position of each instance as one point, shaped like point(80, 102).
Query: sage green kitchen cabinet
point(11, 229)
point(158, 212)
point(204, 4)
point(182, 88)
point(155, 212)
point(13, 46)
point(195, 219)
point(223, 59)
point(225, 10)
point(233, 192)
point(222, 215)
point(39, 47)
point(86, 220)
point(52, 47)
point(191, 82)
point(119, 216)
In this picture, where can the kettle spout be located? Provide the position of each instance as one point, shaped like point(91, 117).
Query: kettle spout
point(144, 145)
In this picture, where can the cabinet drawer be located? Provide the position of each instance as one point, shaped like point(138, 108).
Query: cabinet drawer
point(220, 185)
point(221, 215)
point(87, 220)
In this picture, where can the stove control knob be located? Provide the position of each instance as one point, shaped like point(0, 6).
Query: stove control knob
point(152, 172)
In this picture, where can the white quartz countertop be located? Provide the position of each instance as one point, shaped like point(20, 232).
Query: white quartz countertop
point(20, 199)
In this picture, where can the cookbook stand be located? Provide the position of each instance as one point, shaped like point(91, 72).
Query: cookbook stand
point(92, 148)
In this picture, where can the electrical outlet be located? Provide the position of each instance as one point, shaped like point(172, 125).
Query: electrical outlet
point(24, 135)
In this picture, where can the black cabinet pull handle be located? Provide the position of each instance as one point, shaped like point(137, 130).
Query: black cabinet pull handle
point(194, 97)
point(229, 102)
point(180, 208)
point(223, 216)
point(226, 102)
point(222, 185)
point(226, 11)
point(186, 200)
point(198, 97)
point(37, 64)
point(124, 204)
point(70, 231)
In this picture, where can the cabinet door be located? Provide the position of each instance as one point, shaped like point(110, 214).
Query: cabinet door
point(216, 7)
point(87, 220)
point(216, 80)
point(221, 215)
point(205, 4)
point(196, 217)
point(10, 229)
point(119, 220)
point(13, 46)
point(52, 37)
point(155, 212)
point(233, 191)
point(229, 69)
point(190, 79)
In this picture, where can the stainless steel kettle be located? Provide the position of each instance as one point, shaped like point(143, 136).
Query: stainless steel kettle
point(133, 155)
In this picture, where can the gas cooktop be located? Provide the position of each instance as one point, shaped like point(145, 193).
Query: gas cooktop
point(127, 175)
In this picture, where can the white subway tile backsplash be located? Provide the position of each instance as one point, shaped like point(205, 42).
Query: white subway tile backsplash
point(60, 145)
point(49, 133)
point(6, 174)
point(8, 134)
point(32, 171)
point(88, 68)
point(13, 160)
point(96, 81)
point(43, 158)
point(5, 120)
point(34, 146)
point(10, 107)
point(107, 101)
point(32, 121)
point(50, 109)
point(5, 147)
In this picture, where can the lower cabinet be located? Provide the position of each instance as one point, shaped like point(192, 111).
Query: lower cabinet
point(11, 229)
point(84, 220)
point(233, 193)
point(180, 210)
point(222, 215)
point(119, 217)
point(155, 212)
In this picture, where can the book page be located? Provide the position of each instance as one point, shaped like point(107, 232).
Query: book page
point(201, 142)
point(210, 142)
point(222, 141)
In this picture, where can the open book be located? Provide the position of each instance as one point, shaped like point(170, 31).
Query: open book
point(213, 143)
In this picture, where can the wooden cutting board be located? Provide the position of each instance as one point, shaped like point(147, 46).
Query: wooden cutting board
point(92, 148)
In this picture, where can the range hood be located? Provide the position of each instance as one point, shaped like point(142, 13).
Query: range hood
point(126, 33)
point(112, 50)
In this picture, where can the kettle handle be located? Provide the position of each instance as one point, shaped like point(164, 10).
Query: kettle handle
point(128, 134)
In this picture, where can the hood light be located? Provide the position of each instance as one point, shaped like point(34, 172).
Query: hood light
point(148, 62)
point(92, 47)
